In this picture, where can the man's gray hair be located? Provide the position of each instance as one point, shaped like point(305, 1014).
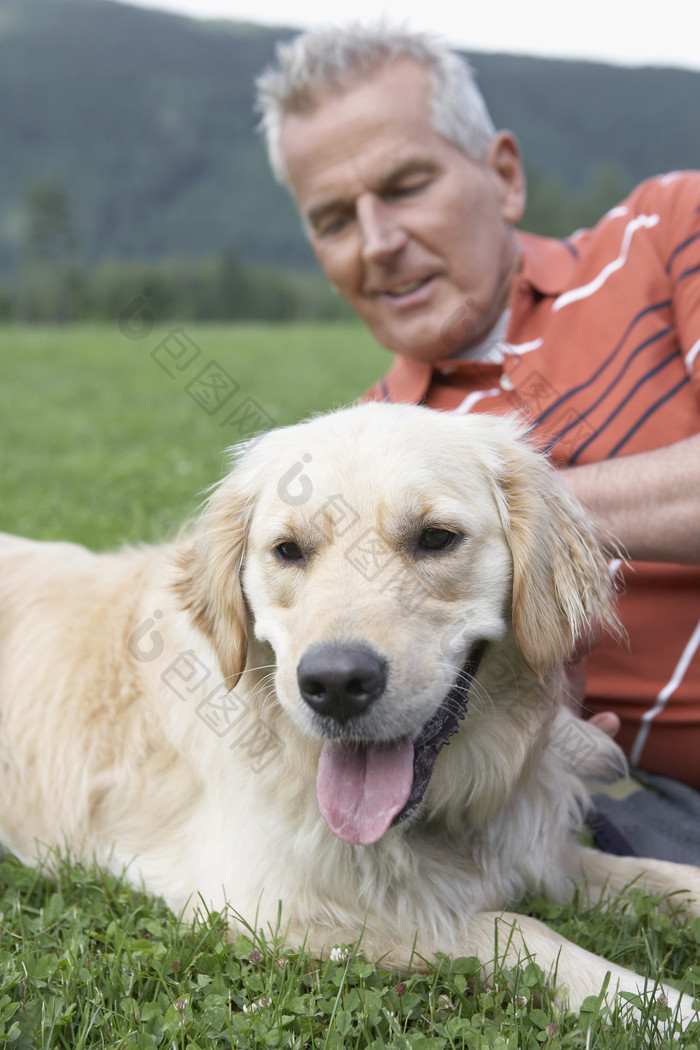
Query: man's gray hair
point(329, 60)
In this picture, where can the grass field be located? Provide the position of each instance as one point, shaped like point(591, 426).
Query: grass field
point(100, 444)
point(104, 442)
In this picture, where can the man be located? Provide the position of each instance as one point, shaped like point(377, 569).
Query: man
point(410, 199)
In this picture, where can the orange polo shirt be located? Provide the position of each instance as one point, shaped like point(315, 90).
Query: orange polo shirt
point(602, 355)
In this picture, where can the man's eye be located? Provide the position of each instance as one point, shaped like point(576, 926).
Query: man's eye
point(289, 551)
point(406, 190)
point(328, 227)
point(437, 540)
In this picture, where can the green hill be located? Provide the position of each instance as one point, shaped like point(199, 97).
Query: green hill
point(145, 120)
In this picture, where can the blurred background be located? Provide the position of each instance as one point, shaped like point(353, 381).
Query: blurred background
point(129, 157)
point(158, 300)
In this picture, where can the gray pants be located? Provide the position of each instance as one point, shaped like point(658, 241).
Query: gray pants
point(648, 815)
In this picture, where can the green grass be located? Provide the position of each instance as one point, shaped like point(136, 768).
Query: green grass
point(101, 446)
point(87, 962)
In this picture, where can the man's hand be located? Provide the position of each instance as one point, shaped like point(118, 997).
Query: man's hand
point(608, 721)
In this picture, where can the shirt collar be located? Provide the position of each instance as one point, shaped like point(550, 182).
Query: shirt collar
point(547, 266)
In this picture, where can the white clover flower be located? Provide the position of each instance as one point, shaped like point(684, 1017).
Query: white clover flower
point(252, 1008)
point(339, 953)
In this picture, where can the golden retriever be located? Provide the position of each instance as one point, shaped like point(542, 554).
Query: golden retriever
point(340, 689)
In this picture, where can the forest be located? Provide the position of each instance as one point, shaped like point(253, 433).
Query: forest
point(131, 160)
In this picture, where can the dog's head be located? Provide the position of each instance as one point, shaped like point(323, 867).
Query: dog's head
point(382, 551)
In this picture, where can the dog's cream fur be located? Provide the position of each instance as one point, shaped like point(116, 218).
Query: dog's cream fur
point(110, 665)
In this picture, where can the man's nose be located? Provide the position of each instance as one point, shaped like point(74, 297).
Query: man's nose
point(382, 234)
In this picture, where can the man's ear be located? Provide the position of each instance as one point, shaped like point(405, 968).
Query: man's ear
point(208, 577)
point(504, 159)
point(562, 589)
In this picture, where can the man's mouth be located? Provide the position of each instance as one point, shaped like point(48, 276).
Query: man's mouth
point(407, 288)
point(364, 789)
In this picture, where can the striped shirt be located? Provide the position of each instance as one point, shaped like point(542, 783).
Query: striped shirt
point(602, 355)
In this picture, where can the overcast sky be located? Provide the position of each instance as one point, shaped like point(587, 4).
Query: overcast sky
point(603, 30)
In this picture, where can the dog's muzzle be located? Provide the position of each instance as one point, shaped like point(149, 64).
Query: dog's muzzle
point(365, 788)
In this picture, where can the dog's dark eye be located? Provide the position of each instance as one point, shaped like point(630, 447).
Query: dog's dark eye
point(437, 540)
point(289, 551)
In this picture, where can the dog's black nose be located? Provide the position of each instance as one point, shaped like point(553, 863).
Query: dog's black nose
point(341, 680)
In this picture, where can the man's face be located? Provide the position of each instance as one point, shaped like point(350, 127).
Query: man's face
point(415, 235)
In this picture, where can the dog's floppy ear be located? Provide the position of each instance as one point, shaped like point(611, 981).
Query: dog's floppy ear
point(561, 584)
point(208, 576)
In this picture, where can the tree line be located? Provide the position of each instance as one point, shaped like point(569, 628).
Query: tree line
point(54, 285)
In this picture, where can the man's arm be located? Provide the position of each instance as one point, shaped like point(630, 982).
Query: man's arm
point(649, 502)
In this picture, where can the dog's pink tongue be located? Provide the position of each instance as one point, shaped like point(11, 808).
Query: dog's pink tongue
point(361, 789)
